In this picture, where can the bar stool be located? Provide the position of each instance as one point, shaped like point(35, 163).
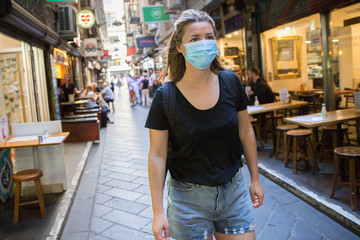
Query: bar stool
point(256, 127)
point(277, 117)
point(329, 138)
point(350, 153)
point(281, 132)
point(25, 176)
point(296, 136)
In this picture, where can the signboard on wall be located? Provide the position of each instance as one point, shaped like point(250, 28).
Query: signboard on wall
point(85, 19)
point(155, 13)
point(91, 47)
point(146, 42)
point(131, 51)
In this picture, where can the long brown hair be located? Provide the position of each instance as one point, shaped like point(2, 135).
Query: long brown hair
point(175, 64)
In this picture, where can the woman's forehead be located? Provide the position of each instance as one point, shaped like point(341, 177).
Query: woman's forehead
point(198, 28)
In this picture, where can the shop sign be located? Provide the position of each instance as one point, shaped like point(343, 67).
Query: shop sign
point(85, 19)
point(155, 13)
point(146, 42)
point(91, 47)
point(131, 51)
point(6, 170)
point(4, 128)
point(105, 61)
point(77, 41)
point(60, 57)
point(104, 53)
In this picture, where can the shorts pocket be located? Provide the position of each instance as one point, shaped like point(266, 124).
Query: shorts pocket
point(181, 186)
point(238, 178)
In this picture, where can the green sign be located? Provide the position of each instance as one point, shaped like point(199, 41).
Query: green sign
point(85, 19)
point(154, 14)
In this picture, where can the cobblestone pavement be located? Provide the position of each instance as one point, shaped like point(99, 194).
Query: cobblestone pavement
point(113, 199)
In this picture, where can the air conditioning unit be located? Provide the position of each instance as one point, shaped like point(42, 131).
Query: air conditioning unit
point(172, 6)
point(67, 26)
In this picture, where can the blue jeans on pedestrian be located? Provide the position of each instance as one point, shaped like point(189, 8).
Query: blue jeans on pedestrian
point(196, 212)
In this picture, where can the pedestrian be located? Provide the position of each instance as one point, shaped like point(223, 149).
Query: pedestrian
point(137, 90)
point(130, 83)
point(144, 86)
point(118, 85)
point(207, 194)
point(152, 78)
point(112, 85)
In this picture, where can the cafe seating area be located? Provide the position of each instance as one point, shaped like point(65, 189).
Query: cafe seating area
point(308, 160)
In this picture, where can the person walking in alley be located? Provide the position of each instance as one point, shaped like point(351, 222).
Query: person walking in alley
point(144, 86)
point(207, 194)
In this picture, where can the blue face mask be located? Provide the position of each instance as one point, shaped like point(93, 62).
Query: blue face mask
point(201, 53)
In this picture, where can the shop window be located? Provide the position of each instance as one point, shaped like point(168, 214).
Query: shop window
point(345, 41)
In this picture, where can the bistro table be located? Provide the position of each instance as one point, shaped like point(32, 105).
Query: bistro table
point(333, 117)
point(70, 106)
point(54, 168)
point(271, 107)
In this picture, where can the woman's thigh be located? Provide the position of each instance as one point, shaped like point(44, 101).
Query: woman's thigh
point(246, 236)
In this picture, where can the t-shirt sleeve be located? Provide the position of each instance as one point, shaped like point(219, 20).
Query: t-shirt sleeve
point(156, 118)
point(242, 98)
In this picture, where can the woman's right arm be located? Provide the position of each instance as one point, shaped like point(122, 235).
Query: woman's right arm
point(157, 170)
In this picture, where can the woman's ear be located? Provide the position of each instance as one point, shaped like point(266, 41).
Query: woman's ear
point(180, 48)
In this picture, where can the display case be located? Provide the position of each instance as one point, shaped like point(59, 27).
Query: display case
point(14, 89)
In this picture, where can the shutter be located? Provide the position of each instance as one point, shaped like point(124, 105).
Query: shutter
point(273, 13)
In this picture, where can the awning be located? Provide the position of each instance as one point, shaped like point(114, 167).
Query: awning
point(13, 16)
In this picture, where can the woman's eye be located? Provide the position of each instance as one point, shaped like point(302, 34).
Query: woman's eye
point(210, 37)
point(193, 40)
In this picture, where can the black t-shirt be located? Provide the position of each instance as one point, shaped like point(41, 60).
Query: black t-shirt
point(263, 91)
point(145, 84)
point(68, 90)
point(206, 146)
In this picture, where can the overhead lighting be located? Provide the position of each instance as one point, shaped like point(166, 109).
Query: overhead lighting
point(229, 35)
point(307, 42)
point(236, 33)
point(335, 40)
point(340, 52)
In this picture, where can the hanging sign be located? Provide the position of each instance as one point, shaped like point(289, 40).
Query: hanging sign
point(155, 13)
point(85, 19)
point(146, 42)
point(91, 47)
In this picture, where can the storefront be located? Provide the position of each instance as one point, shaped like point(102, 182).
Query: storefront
point(23, 82)
point(292, 54)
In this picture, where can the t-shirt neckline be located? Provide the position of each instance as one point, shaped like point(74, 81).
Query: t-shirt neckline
point(202, 110)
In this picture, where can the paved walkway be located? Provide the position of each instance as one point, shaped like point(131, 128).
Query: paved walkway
point(113, 199)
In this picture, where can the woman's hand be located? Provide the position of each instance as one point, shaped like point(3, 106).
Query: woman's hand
point(160, 225)
point(256, 193)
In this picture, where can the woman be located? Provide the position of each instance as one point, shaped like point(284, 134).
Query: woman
point(68, 87)
point(207, 195)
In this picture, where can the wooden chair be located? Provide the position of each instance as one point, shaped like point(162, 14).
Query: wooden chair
point(295, 136)
point(25, 176)
point(352, 154)
point(257, 132)
point(312, 99)
point(277, 117)
point(281, 133)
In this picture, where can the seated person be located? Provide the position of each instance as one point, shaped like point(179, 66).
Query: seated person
point(107, 93)
point(96, 101)
point(260, 87)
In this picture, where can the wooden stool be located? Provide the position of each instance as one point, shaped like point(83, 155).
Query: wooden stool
point(350, 153)
point(256, 127)
point(295, 136)
point(329, 137)
point(281, 131)
point(24, 176)
point(277, 117)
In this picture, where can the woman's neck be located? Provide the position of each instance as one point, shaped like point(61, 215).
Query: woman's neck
point(196, 76)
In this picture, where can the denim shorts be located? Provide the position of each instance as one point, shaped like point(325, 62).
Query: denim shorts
point(196, 212)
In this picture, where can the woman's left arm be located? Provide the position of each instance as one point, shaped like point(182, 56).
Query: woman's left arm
point(247, 138)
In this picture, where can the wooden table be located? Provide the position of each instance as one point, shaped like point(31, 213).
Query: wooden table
point(47, 156)
point(271, 107)
point(70, 106)
point(316, 91)
point(333, 117)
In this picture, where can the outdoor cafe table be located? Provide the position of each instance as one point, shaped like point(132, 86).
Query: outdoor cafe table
point(54, 170)
point(271, 107)
point(333, 117)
